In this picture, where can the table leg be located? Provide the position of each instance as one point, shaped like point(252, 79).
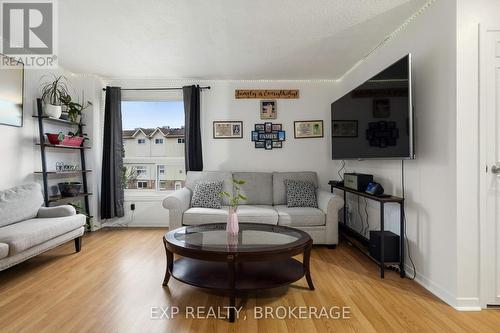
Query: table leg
point(170, 263)
point(382, 253)
point(305, 262)
point(232, 288)
point(345, 206)
point(402, 234)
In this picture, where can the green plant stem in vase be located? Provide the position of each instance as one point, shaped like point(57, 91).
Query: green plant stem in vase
point(232, 227)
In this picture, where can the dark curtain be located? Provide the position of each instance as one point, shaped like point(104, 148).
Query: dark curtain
point(112, 158)
point(194, 158)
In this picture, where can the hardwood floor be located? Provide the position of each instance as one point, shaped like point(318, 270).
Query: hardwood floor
point(113, 283)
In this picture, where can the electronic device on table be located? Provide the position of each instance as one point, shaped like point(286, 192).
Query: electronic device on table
point(375, 189)
point(375, 120)
point(357, 181)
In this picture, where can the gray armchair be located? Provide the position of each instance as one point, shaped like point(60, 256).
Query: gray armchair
point(28, 229)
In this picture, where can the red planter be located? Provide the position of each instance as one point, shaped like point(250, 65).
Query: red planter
point(53, 138)
point(73, 141)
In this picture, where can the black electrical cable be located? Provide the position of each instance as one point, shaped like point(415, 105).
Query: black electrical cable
point(360, 217)
point(404, 220)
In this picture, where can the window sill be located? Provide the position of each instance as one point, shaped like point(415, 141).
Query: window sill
point(145, 195)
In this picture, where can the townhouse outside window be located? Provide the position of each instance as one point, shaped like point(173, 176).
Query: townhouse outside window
point(142, 184)
point(153, 159)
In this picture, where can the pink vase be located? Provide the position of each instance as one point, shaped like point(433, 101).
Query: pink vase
point(232, 227)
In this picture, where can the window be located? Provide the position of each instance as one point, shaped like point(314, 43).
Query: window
point(142, 184)
point(161, 169)
point(178, 185)
point(141, 170)
point(147, 166)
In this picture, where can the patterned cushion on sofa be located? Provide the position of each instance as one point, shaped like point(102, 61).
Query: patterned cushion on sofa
point(206, 194)
point(300, 193)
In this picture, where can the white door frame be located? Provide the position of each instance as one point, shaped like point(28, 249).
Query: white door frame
point(486, 239)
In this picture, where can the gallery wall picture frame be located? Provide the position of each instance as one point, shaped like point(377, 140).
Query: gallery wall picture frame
point(268, 109)
point(345, 128)
point(228, 129)
point(268, 136)
point(307, 129)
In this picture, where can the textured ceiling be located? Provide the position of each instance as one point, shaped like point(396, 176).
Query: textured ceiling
point(224, 39)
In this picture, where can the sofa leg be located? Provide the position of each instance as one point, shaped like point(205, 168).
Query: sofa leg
point(78, 244)
point(332, 246)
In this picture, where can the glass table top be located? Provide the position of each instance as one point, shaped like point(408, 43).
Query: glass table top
point(251, 237)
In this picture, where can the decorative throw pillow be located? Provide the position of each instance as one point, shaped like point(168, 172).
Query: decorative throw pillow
point(206, 194)
point(300, 193)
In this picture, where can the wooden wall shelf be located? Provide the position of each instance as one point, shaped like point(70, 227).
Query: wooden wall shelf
point(57, 199)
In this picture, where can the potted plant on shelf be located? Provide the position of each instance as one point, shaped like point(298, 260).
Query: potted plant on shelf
point(71, 139)
point(74, 109)
point(232, 227)
point(52, 91)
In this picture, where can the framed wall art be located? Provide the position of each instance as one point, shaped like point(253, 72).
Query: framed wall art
point(308, 129)
point(268, 109)
point(228, 129)
point(11, 91)
point(268, 136)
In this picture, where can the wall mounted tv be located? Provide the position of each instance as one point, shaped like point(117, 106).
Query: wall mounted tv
point(375, 120)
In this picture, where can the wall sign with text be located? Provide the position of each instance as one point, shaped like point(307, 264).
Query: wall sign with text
point(266, 93)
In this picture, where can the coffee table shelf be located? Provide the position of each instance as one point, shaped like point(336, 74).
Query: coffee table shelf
point(252, 276)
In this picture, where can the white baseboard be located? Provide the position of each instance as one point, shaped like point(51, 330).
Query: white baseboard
point(434, 288)
point(468, 304)
point(458, 303)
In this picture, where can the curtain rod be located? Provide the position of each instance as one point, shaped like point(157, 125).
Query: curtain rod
point(180, 88)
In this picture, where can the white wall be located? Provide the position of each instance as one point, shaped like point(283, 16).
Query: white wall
point(219, 104)
point(21, 157)
point(431, 205)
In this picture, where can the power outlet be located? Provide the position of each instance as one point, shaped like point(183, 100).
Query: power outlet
point(132, 206)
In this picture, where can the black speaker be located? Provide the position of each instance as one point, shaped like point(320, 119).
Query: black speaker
point(391, 245)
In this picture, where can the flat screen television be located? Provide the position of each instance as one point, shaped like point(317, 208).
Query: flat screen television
point(375, 120)
point(11, 91)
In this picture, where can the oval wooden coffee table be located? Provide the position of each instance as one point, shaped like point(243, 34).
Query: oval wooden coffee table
point(259, 257)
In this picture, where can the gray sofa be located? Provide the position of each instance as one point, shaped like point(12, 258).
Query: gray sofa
point(28, 229)
point(266, 203)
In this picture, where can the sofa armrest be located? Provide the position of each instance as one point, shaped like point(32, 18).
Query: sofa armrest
point(57, 211)
point(330, 204)
point(177, 203)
